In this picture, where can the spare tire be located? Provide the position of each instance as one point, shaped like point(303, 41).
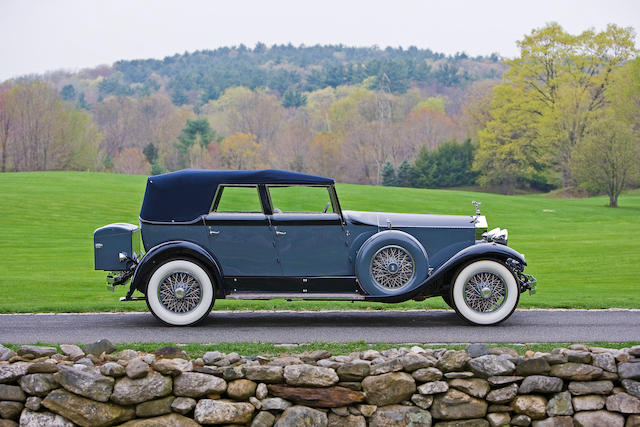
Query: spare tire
point(390, 263)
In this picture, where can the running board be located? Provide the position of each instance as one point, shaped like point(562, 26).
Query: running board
point(295, 296)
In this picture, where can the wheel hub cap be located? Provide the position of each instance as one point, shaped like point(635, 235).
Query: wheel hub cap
point(180, 292)
point(392, 267)
point(485, 292)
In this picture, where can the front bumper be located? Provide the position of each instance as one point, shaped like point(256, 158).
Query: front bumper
point(526, 282)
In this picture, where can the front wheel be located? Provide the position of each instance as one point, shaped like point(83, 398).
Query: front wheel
point(180, 293)
point(485, 293)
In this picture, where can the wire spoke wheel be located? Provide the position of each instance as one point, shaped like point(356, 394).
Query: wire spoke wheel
point(180, 292)
point(485, 292)
point(392, 267)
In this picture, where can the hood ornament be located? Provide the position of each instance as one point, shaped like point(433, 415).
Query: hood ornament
point(477, 206)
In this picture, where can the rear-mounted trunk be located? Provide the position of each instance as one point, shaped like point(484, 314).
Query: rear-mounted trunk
point(115, 246)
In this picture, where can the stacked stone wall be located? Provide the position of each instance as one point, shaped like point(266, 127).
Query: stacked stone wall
point(478, 386)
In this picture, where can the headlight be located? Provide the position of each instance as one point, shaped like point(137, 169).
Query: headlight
point(496, 235)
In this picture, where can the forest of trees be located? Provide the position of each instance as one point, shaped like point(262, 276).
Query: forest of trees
point(564, 114)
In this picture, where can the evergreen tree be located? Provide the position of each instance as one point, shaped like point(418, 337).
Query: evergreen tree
point(294, 98)
point(151, 153)
point(405, 174)
point(388, 174)
point(449, 165)
point(68, 93)
point(210, 92)
point(157, 169)
point(82, 102)
point(197, 130)
point(113, 85)
point(179, 98)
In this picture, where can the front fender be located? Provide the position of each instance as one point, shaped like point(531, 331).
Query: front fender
point(430, 286)
point(173, 249)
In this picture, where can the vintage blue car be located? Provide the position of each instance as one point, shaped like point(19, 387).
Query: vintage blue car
point(265, 234)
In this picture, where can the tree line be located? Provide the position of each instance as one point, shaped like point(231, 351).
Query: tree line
point(563, 115)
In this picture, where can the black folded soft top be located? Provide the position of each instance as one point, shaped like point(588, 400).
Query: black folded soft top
point(187, 194)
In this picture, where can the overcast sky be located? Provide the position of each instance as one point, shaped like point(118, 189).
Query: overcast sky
point(37, 36)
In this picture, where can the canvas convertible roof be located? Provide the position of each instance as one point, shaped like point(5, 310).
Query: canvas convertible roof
point(187, 194)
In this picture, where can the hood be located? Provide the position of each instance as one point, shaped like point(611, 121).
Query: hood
point(401, 220)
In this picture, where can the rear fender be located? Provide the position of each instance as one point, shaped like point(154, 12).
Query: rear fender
point(174, 249)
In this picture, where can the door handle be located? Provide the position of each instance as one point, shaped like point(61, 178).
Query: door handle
point(281, 233)
point(214, 232)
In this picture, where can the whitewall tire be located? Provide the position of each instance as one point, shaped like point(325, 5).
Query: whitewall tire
point(180, 293)
point(485, 293)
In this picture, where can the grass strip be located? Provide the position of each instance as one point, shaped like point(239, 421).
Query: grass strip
point(272, 350)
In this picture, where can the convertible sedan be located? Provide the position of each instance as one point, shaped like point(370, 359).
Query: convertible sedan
point(265, 234)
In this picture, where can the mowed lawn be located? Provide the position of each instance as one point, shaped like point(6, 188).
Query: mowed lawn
point(583, 254)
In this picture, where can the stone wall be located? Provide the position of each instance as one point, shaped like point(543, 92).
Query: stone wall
point(94, 386)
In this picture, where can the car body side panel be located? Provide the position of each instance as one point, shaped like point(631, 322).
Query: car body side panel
point(245, 247)
point(243, 244)
point(312, 245)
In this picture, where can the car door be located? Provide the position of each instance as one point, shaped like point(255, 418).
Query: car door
point(310, 236)
point(241, 237)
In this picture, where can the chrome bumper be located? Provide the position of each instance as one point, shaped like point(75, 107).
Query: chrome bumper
point(526, 282)
point(119, 278)
point(529, 283)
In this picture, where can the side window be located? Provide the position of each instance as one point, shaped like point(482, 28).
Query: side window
point(238, 199)
point(300, 199)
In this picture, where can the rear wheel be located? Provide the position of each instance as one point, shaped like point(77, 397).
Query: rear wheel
point(180, 293)
point(484, 293)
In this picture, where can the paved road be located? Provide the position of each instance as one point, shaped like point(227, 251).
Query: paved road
point(433, 326)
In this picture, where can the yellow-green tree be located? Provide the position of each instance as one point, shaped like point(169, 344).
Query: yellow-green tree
point(609, 157)
point(624, 94)
point(558, 86)
point(326, 154)
point(510, 153)
point(239, 151)
point(240, 109)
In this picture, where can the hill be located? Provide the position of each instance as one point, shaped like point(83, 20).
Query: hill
point(195, 78)
point(581, 252)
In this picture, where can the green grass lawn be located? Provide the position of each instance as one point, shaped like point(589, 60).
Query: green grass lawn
point(583, 254)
